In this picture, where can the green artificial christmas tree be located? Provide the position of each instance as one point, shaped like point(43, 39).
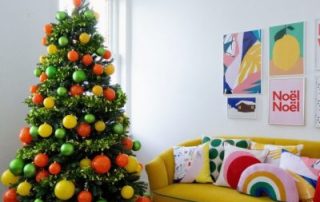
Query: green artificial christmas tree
point(76, 147)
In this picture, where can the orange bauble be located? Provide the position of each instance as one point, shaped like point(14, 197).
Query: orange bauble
point(10, 196)
point(143, 199)
point(84, 130)
point(87, 60)
point(122, 160)
point(44, 41)
point(107, 55)
point(101, 164)
point(97, 69)
point(41, 160)
point(55, 168)
point(37, 99)
point(33, 88)
point(127, 143)
point(76, 90)
point(109, 94)
point(85, 196)
point(42, 175)
point(77, 3)
point(48, 29)
point(43, 77)
point(73, 56)
point(25, 136)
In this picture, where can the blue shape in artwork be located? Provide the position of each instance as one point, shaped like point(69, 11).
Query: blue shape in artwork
point(256, 87)
point(233, 101)
point(249, 38)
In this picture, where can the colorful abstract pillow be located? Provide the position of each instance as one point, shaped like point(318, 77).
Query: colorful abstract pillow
point(275, 151)
point(305, 168)
point(192, 164)
point(236, 160)
point(266, 179)
point(216, 152)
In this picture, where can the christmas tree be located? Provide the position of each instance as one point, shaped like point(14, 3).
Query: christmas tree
point(76, 146)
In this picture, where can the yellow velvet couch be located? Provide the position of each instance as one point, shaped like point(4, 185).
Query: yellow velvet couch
point(161, 171)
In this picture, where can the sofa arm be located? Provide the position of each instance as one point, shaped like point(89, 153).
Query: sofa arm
point(157, 174)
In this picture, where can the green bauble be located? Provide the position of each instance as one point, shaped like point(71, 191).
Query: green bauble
point(61, 15)
point(118, 128)
point(33, 131)
point(79, 76)
point(63, 41)
point(29, 170)
point(51, 72)
point(89, 14)
point(101, 51)
point(102, 200)
point(67, 149)
point(60, 133)
point(89, 118)
point(37, 72)
point(16, 166)
point(136, 145)
point(62, 91)
point(38, 200)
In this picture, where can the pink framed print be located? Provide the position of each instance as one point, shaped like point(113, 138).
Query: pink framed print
point(286, 101)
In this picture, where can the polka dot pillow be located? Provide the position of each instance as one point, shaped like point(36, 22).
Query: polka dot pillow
point(216, 152)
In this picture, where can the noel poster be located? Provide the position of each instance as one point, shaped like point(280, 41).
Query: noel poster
point(286, 101)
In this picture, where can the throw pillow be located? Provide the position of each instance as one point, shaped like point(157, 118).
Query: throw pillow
point(267, 179)
point(192, 164)
point(275, 151)
point(236, 160)
point(216, 152)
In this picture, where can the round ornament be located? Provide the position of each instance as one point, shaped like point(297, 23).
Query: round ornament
point(76, 90)
point(41, 160)
point(60, 133)
point(87, 59)
point(118, 128)
point(77, 3)
point(37, 72)
point(101, 164)
point(127, 143)
point(29, 170)
point(132, 164)
point(143, 199)
point(44, 41)
point(122, 160)
point(89, 14)
point(8, 178)
point(42, 59)
point(63, 41)
point(48, 28)
point(109, 70)
point(97, 90)
point(38, 200)
point(42, 175)
point(136, 145)
point(45, 130)
point(52, 49)
point(64, 189)
point(84, 38)
point(10, 196)
point(109, 94)
point(67, 149)
point(16, 166)
point(97, 69)
point(69, 121)
point(25, 136)
point(61, 15)
point(101, 51)
point(55, 168)
point(48, 102)
point(62, 91)
point(79, 76)
point(33, 132)
point(43, 77)
point(85, 163)
point(33, 89)
point(24, 188)
point(37, 99)
point(84, 130)
point(100, 126)
point(89, 118)
point(107, 55)
point(84, 196)
point(51, 72)
point(127, 192)
point(73, 56)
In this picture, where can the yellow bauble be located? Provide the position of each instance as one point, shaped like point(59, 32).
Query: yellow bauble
point(132, 165)
point(286, 52)
point(84, 38)
point(127, 192)
point(45, 130)
point(139, 168)
point(8, 178)
point(100, 126)
point(109, 70)
point(64, 190)
point(85, 163)
point(52, 49)
point(42, 59)
point(69, 121)
point(48, 102)
point(24, 188)
point(97, 90)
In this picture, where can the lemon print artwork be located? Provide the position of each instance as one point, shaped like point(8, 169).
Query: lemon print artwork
point(286, 49)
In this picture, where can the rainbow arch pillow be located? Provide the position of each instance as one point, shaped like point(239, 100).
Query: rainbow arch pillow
point(266, 179)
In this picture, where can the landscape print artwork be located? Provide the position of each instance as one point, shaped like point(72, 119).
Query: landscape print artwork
point(242, 62)
point(242, 107)
point(287, 49)
point(286, 101)
point(318, 45)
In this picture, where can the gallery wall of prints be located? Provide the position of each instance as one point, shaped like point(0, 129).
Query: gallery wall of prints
point(242, 62)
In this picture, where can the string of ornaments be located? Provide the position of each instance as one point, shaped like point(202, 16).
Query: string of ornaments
point(25, 175)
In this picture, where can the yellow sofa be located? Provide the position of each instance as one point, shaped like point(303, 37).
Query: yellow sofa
point(161, 171)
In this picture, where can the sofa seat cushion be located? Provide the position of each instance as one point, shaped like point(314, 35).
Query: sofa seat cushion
point(204, 193)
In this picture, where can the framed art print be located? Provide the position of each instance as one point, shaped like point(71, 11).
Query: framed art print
point(242, 108)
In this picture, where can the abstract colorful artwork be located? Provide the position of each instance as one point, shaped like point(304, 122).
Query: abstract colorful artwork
point(242, 62)
point(242, 107)
point(317, 121)
point(286, 101)
point(318, 44)
point(287, 49)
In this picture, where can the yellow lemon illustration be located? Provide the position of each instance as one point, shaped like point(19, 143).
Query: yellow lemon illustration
point(286, 52)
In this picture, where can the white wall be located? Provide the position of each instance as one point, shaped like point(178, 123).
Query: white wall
point(177, 68)
point(20, 47)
